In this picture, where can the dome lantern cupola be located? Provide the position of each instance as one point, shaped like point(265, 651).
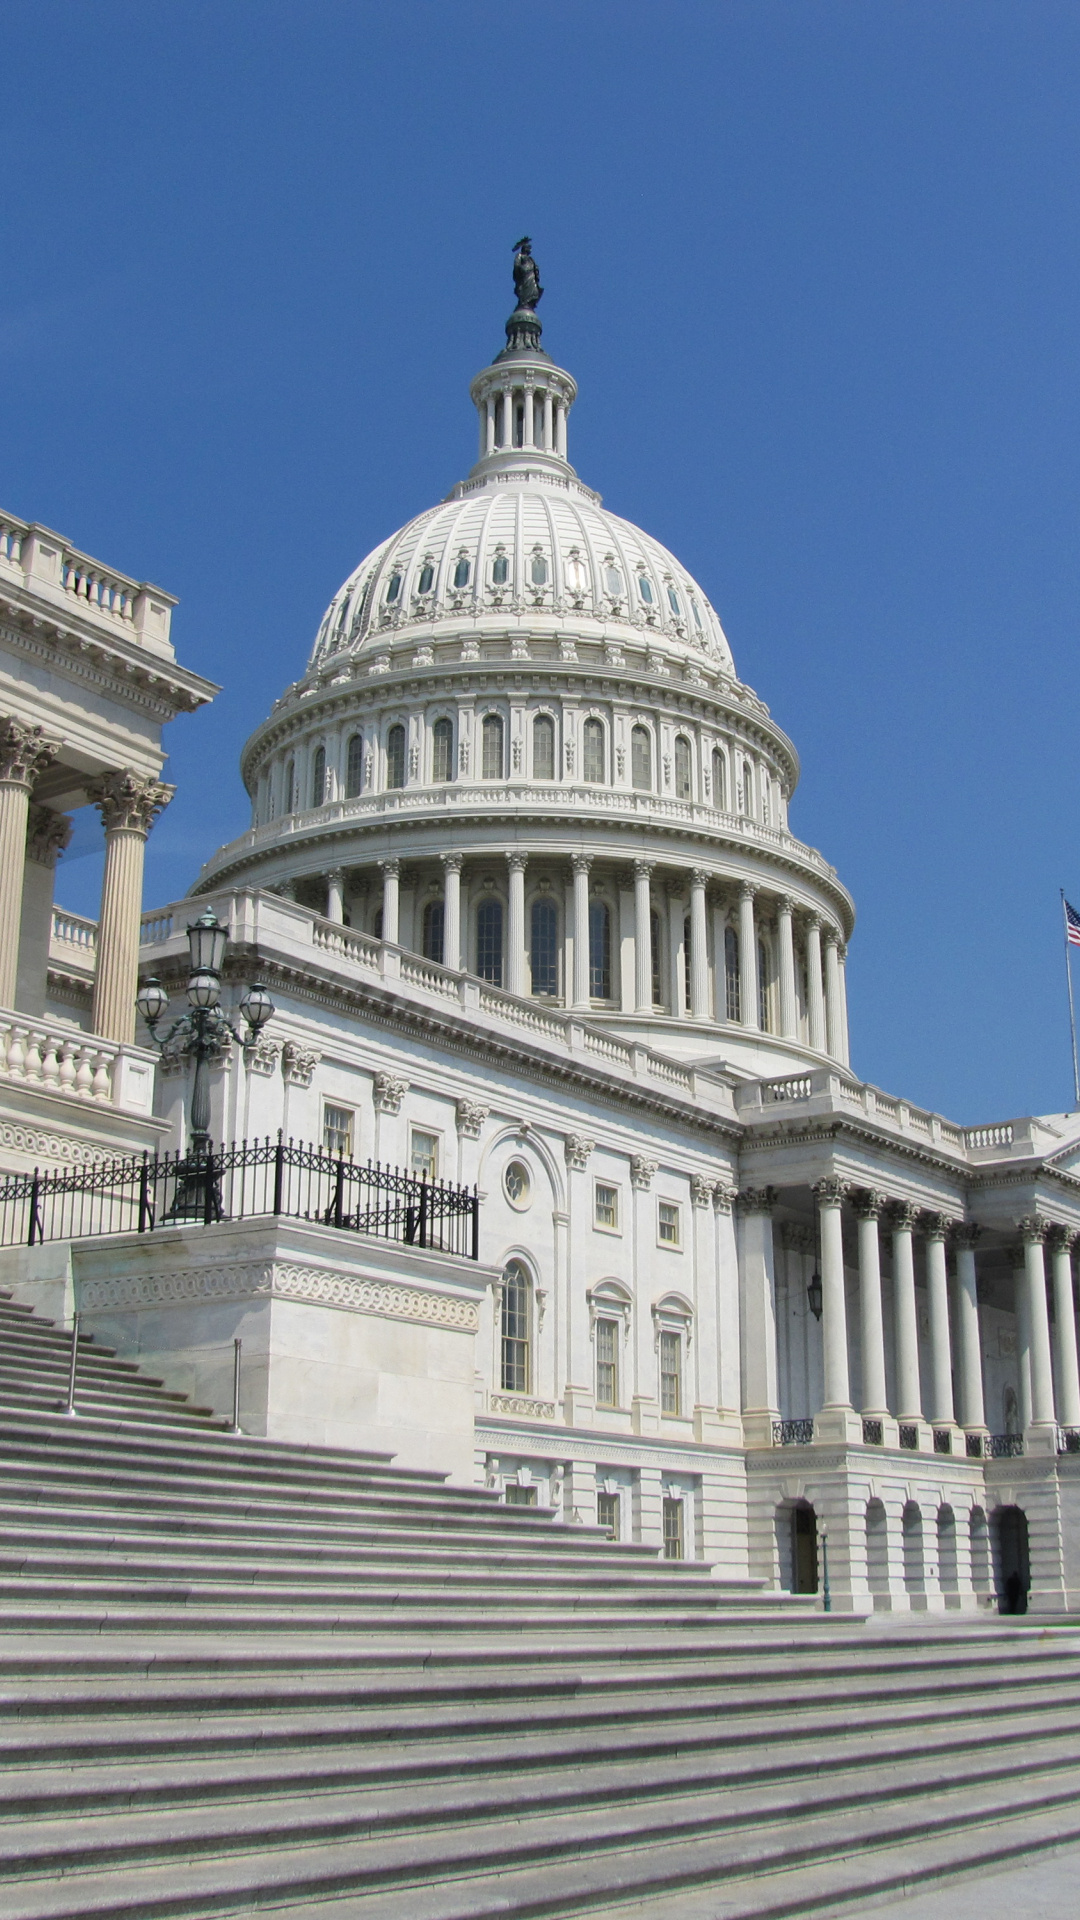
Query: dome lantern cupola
point(523, 398)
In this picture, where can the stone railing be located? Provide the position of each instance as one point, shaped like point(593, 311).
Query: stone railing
point(45, 1054)
point(49, 564)
point(834, 1088)
point(73, 938)
point(998, 1136)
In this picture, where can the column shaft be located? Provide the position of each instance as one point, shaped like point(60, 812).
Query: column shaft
point(815, 984)
point(908, 1391)
point(699, 949)
point(874, 1398)
point(937, 1281)
point(128, 803)
point(452, 911)
point(1068, 1378)
point(748, 970)
point(547, 420)
point(516, 959)
point(581, 864)
point(788, 1003)
point(1042, 1373)
point(833, 1301)
point(643, 936)
point(14, 810)
point(757, 1315)
point(391, 899)
point(335, 895)
point(834, 1014)
point(968, 1342)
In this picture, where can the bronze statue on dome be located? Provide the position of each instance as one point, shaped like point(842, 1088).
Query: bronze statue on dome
point(526, 278)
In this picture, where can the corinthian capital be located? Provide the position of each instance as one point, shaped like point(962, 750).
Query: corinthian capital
point(128, 802)
point(24, 753)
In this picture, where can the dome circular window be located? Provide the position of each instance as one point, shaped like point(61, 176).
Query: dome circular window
point(517, 1185)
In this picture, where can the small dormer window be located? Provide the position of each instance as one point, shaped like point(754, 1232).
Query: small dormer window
point(644, 587)
point(673, 603)
point(500, 571)
point(613, 581)
point(539, 570)
point(393, 589)
point(696, 614)
point(427, 578)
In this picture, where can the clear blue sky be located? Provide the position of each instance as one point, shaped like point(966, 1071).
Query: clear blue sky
point(815, 267)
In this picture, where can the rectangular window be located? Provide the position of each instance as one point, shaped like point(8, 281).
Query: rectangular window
point(424, 1154)
point(667, 1223)
point(607, 1207)
point(520, 1496)
point(607, 1363)
point(337, 1131)
point(673, 1529)
point(670, 1372)
point(607, 1513)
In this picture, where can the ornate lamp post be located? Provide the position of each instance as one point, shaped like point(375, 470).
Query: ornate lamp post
point(200, 1034)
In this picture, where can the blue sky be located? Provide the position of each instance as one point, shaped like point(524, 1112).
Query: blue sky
point(816, 269)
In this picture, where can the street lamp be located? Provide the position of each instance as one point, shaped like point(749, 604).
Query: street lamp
point(200, 1034)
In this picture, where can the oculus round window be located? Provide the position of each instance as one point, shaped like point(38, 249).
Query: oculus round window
point(517, 1185)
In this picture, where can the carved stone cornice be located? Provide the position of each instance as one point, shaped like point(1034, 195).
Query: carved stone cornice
point(128, 802)
point(25, 752)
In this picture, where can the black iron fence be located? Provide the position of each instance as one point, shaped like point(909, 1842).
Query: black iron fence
point(283, 1177)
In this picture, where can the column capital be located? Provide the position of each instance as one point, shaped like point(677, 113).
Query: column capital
point(936, 1226)
point(453, 862)
point(701, 1189)
point(128, 802)
point(643, 869)
point(517, 862)
point(576, 1149)
point(902, 1215)
point(868, 1203)
point(785, 903)
point(830, 934)
point(757, 1199)
point(699, 877)
point(642, 1172)
point(1032, 1230)
point(581, 862)
point(1058, 1236)
point(830, 1192)
point(335, 876)
point(723, 1197)
point(748, 890)
point(24, 753)
point(391, 869)
point(965, 1233)
point(47, 834)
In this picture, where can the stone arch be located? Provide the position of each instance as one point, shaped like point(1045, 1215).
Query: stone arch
point(914, 1548)
point(1011, 1557)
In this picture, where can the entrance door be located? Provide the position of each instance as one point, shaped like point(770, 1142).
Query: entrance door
point(1014, 1566)
point(804, 1555)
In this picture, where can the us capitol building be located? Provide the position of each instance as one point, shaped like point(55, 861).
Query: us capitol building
point(521, 879)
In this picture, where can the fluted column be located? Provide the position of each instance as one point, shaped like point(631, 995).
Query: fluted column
point(748, 972)
point(968, 1341)
point(830, 1199)
point(452, 865)
point(24, 754)
point(757, 1315)
point(935, 1227)
point(516, 968)
point(1059, 1241)
point(699, 947)
point(834, 1008)
point(908, 1390)
point(548, 429)
point(391, 899)
point(489, 424)
point(643, 935)
point(815, 984)
point(841, 954)
point(868, 1208)
point(129, 803)
point(335, 895)
point(1033, 1233)
point(527, 431)
point(581, 863)
point(786, 941)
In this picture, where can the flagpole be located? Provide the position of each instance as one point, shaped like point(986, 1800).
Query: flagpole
point(1072, 1010)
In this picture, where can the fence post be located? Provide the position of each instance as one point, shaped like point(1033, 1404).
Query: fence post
point(208, 1189)
point(144, 1193)
point(476, 1223)
point(339, 1188)
point(70, 1407)
point(279, 1171)
point(35, 1225)
point(423, 1210)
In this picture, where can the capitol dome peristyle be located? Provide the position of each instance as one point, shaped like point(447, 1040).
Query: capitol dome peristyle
point(520, 749)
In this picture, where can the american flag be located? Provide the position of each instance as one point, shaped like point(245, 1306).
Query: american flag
point(1072, 924)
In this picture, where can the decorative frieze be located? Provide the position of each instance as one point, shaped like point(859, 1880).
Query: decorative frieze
point(322, 1286)
point(521, 1408)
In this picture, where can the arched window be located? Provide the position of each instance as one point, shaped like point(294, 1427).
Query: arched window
point(427, 578)
point(719, 780)
point(544, 947)
point(747, 788)
point(766, 800)
point(732, 989)
point(657, 969)
point(489, 941)
point(318, 777)
point(395, 757)
point(592, 757)
point(434, 930)
point(599, 950)
point(538, 571)
point(543, 765)
point(641, 759)
point(354, 766)
point(682, 768)
point(500, 570)
point(461, 573)
point(290, 786)
point(394, 588)
point(644, 588)
point(613, 581)
point(442, 750)
point(492, 761)
point(515, 1370)
point(763, 977)
point(673, 603)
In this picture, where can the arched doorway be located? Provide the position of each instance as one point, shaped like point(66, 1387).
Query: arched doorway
point(804, 1548)
point(1012, 1563)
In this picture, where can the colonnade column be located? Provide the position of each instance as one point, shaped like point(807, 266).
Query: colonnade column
point(937, 1285)
point(452, 865)
point(24, 754)
point(908, 1390)
point(830, 1194)
point(581, 863)
point(391, 873)
point(815, 985)
point(748, 972)
point(757, 1316)
point(834, 1006)
point(1068, 1378)
point(786, 939)
point(643, 935)
point(527, 429)
point(548, 442)
point(699, 952)
point(515, 947)
point(1033, 1233)
point(129, 803)
point(560, 431)
point(869, 1207)
point(489, 424)
point(968, 1342)
point(335, 895)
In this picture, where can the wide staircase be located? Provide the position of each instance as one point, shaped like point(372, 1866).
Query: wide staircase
point(239, 1676)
